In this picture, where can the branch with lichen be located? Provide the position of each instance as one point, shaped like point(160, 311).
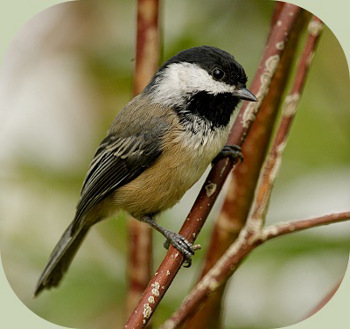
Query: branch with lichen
point(254, 234)
point(230, 261)
point(146, 64)
point(274, 159)
point(173, 260)
point(240, 193)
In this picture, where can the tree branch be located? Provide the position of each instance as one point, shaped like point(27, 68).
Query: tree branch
point(232, 258)
point(252, 234)
point(240, 193)
point(274, 231)
point(209, 192)
point(274, 159)
point(147, 59)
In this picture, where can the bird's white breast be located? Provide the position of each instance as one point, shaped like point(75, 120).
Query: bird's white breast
point(199, 144)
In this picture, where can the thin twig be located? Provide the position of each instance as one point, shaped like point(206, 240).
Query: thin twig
point(240, 193)
point(274, 231)
point(147, 59)
point(273, 161)
point(252, 234)
point(234, 256)
point(209, 192)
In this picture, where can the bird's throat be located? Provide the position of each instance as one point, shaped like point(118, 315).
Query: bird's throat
point(216, 109)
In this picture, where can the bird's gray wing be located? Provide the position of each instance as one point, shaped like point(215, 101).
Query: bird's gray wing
point(117, 161)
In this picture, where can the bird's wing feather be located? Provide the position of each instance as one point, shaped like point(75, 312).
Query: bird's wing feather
point(117, 161)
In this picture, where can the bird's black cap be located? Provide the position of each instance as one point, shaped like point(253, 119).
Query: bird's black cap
point(209, 58)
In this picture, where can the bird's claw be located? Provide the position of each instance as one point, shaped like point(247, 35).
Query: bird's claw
point(232, 151)
point(182, 245)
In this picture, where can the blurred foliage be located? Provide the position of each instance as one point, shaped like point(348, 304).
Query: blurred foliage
point(79, 58)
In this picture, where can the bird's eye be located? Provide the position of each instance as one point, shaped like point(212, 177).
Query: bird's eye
point(218, 74)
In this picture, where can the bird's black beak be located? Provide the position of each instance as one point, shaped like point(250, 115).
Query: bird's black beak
point(245, 94)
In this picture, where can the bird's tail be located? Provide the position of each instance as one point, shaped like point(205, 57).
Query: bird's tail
point(61, 258)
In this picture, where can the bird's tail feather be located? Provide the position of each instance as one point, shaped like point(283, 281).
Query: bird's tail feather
point(61, 258)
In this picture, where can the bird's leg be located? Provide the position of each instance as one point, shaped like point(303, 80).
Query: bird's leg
point(177, 240)
point(232, 151)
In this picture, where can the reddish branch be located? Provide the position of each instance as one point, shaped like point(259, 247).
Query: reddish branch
point(273, 231)
point(230, 261)
point(253, 234)
point(147, 43)
point(146, 64)
point(240, 193)
point(209, 192)
point(273, 161)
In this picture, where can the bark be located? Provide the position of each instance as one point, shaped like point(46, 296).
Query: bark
point(253, 233)
point(173, 260)
point(232, 258)
point(146, 64)
point(240, 193)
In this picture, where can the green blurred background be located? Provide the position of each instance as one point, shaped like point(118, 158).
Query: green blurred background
point(67, 73)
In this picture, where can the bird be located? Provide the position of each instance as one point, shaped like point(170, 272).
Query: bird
point(156, 148)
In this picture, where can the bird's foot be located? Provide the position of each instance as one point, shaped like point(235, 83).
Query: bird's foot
point(232, 151)
point(182, 245)
point(177, 240)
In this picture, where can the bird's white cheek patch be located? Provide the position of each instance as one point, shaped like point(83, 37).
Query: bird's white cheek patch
point(181, 80)
point(194, 79)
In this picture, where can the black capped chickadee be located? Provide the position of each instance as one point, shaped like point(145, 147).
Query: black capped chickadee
point(157, 147)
